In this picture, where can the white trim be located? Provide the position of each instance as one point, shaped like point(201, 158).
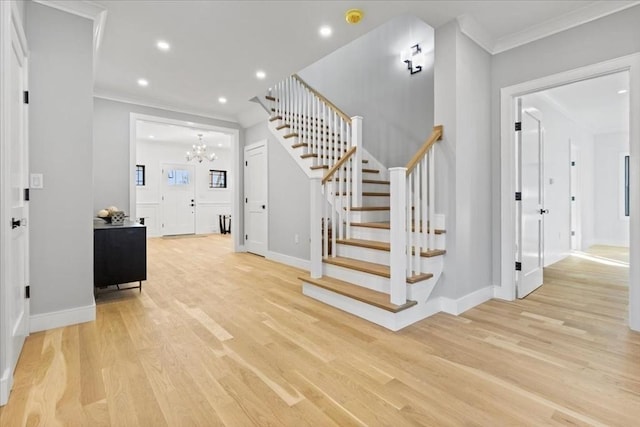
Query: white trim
point(476, 32)
point(6, 383)
point(292, 261)
point(160, 106)
point(235, 148)
point(630, 63)
point(583, 15)
point(466, 302)
point(59, 319)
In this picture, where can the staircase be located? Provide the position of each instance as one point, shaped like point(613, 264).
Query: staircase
point(377, 244)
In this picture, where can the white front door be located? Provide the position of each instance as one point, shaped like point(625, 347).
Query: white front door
point(15, 245)
point(178, 199)
point(255, 193)
point(530, 243)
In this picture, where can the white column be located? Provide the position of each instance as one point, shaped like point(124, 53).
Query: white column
point(398, 235)
point(356, 177)
point(315, 230)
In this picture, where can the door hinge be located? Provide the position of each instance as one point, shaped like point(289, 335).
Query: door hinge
point(246, 200)
point(573, 163)
point(246, 163)
point(573, 198)
point(25, 97)
point(573, 233)
point(162, 225)
point(518, 196)
point(518, 126)
point(518, 266)
point(26, 194)
point(246, 237)
point(27, 292)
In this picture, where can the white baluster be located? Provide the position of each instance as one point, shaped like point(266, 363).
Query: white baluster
point(315, 232)
point(424, 205)
point(416, 219)
point(432, 198)
point(356, 176)
point(409, 224)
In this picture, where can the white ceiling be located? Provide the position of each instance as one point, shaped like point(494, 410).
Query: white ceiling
point(217, 46)
point(595, 104)
point(168, 133)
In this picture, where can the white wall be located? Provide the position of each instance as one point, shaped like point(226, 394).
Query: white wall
point(367, 78)
point(463, 165)
point(607, 38)
point(210, 202)
point(111, 152)
point(611, 226)
point(61, 134)
point(288, 197)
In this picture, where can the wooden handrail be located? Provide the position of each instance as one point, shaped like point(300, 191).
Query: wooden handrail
point(323, 99)
point(436, 135)
point(341, 161)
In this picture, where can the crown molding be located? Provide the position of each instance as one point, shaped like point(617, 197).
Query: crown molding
point(161, 106)
point(476, 32)
point(564, 22)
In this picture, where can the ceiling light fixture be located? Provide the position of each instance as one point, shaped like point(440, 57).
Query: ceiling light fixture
point(622, 91)
point(222, 100)
point(163, 45)
point(151, 136)
point(143, 82)
point(353, 16)
point(199, 152)
point(261, 74)
point(325, 31)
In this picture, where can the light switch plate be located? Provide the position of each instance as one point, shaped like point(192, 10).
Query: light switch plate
point(36, 181)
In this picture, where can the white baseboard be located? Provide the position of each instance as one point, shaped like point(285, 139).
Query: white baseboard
point(609, 242)
point(462, 304)
point(6, 382)
point(500, 292)
point(555, 258)
point(289, 260)
point(58, 319)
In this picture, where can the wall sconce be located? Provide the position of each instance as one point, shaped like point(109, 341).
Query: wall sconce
point(414, 58)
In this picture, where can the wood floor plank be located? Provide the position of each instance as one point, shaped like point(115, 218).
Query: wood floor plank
point(218, 338)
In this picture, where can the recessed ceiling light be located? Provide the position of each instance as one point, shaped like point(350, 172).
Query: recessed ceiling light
point(621, 91)
point(261, 74)
point(151, 136)
point(325, 31)
point(219, 144)
point(222, 100)
point(163, 45)
point(143, 82)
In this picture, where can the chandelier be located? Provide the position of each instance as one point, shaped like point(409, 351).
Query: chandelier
point(199, 152)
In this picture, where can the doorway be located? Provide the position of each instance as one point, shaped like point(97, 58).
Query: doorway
point(510, 216)
point(178, 199)
point(255, 191)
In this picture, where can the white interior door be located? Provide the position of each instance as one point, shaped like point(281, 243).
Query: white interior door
point(576, 229)
point(532, 205)
point(15, 244)
point(178, 199)
point(255, 193)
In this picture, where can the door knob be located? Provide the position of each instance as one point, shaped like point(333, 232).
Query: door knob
point(264, 206)
point(544, 211)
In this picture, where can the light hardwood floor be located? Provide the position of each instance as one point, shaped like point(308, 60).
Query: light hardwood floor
point(218, 338)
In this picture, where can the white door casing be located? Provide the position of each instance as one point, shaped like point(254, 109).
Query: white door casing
point(14, 211)
point(530, 240)
point(178, 199)
point(255, 193)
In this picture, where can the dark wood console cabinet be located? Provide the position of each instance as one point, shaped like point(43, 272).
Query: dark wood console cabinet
point(119, 255)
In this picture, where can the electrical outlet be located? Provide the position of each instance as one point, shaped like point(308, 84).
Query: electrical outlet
point(296, 238)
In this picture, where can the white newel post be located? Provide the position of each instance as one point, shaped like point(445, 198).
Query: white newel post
point(398, 235)
point(356, 177)
point(315, 231)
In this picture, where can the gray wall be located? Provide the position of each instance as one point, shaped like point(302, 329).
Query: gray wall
point(463, 165)
point(60, 134)
point(607, 38)
point(111, 155)
point(366, 78)
point(288, 196)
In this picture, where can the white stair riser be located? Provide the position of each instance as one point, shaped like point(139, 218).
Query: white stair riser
point(378, 188)
point(382, 235)
point(375, 200)
point(383, 257)
point(366, 280)
point(369, 216)
point(421, 291)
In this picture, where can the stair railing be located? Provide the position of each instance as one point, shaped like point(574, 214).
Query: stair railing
point(412, 216)
point(331, 211)
point(325, 130)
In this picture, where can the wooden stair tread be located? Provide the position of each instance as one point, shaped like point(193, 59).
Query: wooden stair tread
point(371, 268)
point(270, 98)
point(384, 225)
point(274, 118)
point(384, 246)
point(285, 126)
point(359, 293)
point(371, 194)
point(304, 144)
